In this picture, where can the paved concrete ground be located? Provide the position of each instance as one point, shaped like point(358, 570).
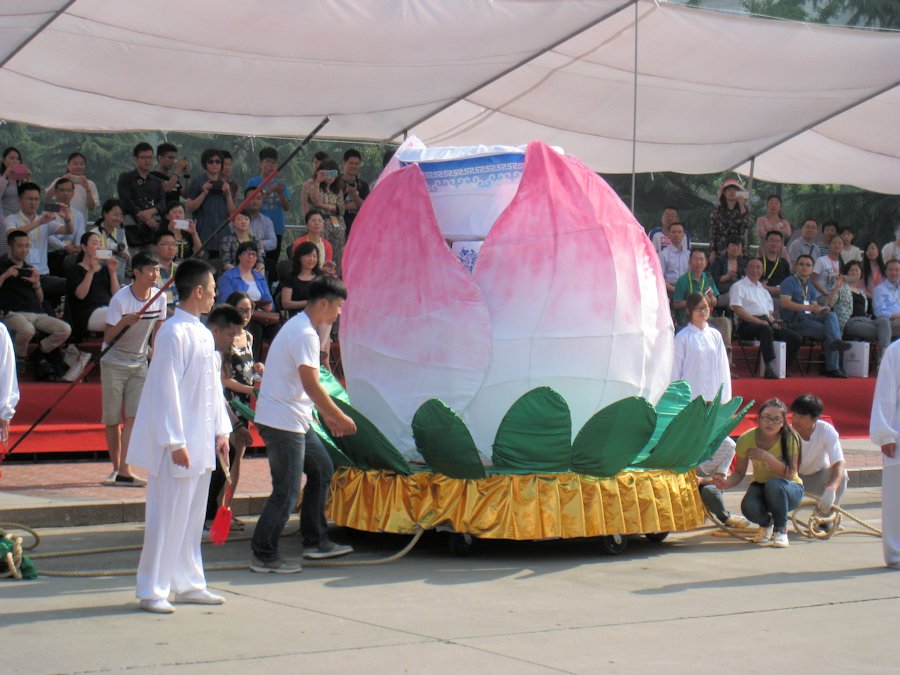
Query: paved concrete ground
point(695, 603)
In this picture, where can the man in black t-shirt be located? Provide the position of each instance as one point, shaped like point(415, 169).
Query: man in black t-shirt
point(355, 188)
point(21, 302)
point(143, 198)
point(775, 268)
point(171, 171)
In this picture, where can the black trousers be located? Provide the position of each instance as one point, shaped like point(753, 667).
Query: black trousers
point(767, 335)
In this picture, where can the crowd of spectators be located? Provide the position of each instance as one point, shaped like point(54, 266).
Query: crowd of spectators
point(812, 284)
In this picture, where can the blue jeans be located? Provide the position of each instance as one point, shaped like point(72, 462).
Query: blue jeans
point(285, 450)
point(769, 503)
point(319, 469)
point(822, 328)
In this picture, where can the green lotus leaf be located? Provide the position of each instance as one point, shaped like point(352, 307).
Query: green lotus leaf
point(338, 458)
point(444, 441)
point(535, 435)
point(611, 439)
point(331, 385)
point(681, 439)
point(726, 421)
point(675, 399)
point(368, 448)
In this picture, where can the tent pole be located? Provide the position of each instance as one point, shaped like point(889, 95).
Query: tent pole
point(634, 113)
point(38, 31)
point(749, 199)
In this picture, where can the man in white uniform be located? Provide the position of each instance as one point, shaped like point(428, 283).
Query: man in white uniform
point(884, 430)
point(9, 384)
point(181, 423)
point(289, 390)
point(822, 465)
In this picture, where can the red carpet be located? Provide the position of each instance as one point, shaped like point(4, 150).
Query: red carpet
point(848, 402)
point(74, 424)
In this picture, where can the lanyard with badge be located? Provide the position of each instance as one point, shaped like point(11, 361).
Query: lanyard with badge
point(691, 282)
point(805, 288)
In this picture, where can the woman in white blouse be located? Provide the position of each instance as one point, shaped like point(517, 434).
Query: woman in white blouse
point(701, 360)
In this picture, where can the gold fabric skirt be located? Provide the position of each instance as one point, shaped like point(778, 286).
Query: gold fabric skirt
point(538, 506)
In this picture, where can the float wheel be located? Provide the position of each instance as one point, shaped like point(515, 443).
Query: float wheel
point(614, 544)
point(461, 544)
point(656, 537)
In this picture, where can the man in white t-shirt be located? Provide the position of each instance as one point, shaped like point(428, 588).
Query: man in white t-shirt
point(290, 389)
point(822, 465)
point(123, 369)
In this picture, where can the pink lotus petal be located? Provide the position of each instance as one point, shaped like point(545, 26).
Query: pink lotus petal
point(415, 325)
point(575, 294)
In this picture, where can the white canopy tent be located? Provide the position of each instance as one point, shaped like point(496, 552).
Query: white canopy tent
point(810, 103)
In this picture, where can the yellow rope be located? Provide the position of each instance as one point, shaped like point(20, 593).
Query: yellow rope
point(136, 547)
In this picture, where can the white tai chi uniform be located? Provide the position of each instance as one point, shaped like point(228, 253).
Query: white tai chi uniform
point(700, 359)
point(9, 383)
point(182, 406)
point(884, 427)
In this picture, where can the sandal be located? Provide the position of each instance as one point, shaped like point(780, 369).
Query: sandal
point(236, 525)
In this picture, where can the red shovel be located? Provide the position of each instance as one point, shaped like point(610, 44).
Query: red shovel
point(221, 526)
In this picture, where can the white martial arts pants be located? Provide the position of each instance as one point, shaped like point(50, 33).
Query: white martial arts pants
point(171, 559)
point(890, 514)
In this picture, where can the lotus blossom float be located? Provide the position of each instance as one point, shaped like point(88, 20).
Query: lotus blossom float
point(521, 389)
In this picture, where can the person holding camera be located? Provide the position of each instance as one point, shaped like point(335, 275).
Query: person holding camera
point(90, 286)
point(730, 218)
point(112, 236)
point(327, 196)
point(39, 228)
point(142, 196)
point(210, 200)
point(21, 301)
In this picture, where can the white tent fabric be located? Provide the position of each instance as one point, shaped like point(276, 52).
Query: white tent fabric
point(811, 103)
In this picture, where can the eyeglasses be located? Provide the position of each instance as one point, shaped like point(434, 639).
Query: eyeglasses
point(214, 161)
point(769, 419)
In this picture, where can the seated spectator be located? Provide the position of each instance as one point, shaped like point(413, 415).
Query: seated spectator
point(659, 236)
point(171, 171)
point(85, 197)
point(39, 229)
point(775, 268)
point(891, 250)
point(753, 307)
point(304, 269)
point(62, 245)
point(829, 231)
point(184, 231)
point(804, 315)
point(886, 298)
point(210, 200)
point(730, 218)
point(806, 244)
point(164, 248)
point(240, 374)
point(315, 226)
point(773, 221)
point(244, 277)
point(142, 197)
point(850, 251)
point(263, 229)
point(776, 489)
point(822, 466)
point(112, 235)
point(21, 303)
point(90, 285)
point(230, 241)
point(675, 259)
point(851, 305)
point(827, 268)
point(699, 281)
point(728, 268)
point(355, 188)
point(873, 268)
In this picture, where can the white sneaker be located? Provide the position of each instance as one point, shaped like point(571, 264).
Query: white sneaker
point(157, 606)
point(763, 535)
point(200, 597)
point(780, 540)
point(110, 479)
point(75, 370)
point(738, 522)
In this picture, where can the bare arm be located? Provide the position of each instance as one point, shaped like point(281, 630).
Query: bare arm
point(336, 421)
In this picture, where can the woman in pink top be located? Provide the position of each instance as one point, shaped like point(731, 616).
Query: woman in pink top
point(773, 220)
point(873, 268)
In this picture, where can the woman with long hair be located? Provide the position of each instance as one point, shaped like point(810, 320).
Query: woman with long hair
point(304, 268)
point(776, 490)
point(12, 174)
point(327, 195)
point(90, 285)
point(773, 220)
point(873, 267)
point(852, 308)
